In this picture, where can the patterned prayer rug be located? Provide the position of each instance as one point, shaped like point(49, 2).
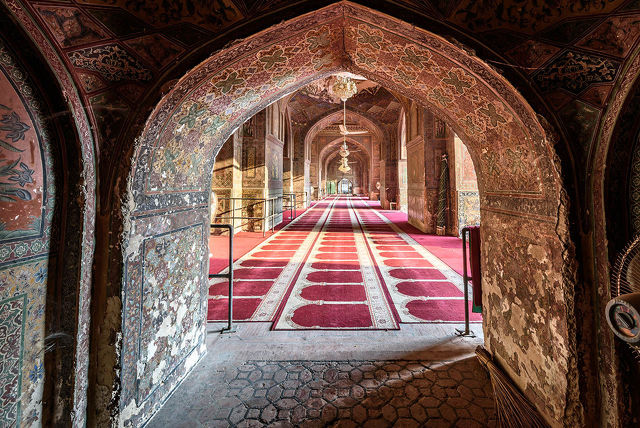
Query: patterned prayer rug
point(423, 288)
point(263, 275)
point(338, 287)
point(341, 265)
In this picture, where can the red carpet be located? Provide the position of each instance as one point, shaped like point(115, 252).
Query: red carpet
point(243, 242)
point(446, 248)
point(422, 286)
point(344, 265)
point(261, 275)
point(338, 286)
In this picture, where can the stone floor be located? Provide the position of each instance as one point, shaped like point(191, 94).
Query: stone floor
point(421, 375)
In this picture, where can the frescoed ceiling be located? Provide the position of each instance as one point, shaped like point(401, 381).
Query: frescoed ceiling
point(315, 100)
point(564, 55)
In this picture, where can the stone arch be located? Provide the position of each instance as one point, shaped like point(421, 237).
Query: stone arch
point(378, 132)
point(324, 157)
point(614, 140)
point(338, 141)
point(522, 198)
point(45, 264)
point(362, 159)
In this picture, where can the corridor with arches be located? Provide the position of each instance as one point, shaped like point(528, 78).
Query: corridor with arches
point(344, 315)
point(343, 264)
point(348, 147)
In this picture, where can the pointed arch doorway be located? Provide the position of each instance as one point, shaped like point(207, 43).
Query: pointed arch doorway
point(521, 193)
point(345, 186)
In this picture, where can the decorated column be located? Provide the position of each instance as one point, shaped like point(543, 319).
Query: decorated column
point(227, 180)
point(262, 169)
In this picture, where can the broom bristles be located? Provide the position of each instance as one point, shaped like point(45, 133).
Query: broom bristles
point(513, 409)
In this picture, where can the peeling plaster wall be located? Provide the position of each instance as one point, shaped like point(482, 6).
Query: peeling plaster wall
point(164, 311)
point(528, 312)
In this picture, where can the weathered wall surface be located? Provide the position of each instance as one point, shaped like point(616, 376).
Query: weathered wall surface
point(164, 311)
point(27, 264)
point(527, 311)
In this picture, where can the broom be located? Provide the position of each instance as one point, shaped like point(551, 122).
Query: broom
point(513, 409)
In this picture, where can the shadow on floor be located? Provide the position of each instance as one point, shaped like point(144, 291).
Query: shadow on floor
point(318, 393)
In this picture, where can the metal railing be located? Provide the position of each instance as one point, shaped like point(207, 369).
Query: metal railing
point(228, 275)
point(291, 206)
point(268, 211)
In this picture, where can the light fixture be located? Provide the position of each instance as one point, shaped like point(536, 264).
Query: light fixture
point(344, 150)
point(344, 88)
point(344, 166)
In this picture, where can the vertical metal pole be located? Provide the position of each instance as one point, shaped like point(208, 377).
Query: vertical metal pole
point(228, 276)
point(466, 280)
point(264, 217)
point(230, 324)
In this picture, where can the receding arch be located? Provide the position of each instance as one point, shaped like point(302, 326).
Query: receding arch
point(376, 130)
point(522, 198)
point(326, 155)
point(336, 142)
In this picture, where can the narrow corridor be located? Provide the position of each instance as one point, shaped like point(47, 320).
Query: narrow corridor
point(341, 265)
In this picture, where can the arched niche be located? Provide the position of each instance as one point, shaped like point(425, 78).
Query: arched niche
point(47, 214)
point(525, 252)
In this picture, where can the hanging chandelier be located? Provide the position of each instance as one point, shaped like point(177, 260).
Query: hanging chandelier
point(344, 166)
point(344, 88)
point(344, 150)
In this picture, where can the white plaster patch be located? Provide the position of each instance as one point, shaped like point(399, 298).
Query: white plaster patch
point(156, 377)
point(151, 350)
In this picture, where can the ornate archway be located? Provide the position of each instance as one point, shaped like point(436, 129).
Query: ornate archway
point(47, 221)
point(166, 210)
point(336, 116)
point(329, 151)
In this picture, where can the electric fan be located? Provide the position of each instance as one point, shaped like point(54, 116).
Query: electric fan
point(623, 310)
